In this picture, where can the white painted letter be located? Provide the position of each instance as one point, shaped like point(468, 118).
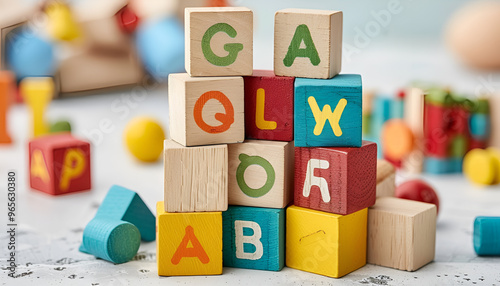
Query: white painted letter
point(312, 180)
point(254, 239)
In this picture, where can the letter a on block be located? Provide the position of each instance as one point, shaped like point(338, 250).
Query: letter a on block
point(74, 165)
point(302, 35)
point(232, 49)
point(38, 166)
point(312, 180)
point(195, 251)
point(227, 119)
point(254, 239)
point(321, 116)
point(259, 112)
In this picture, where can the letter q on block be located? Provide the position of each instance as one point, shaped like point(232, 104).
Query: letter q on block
point(206, 110)
point(219, 41)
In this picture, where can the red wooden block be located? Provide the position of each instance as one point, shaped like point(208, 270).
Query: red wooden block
point(336, 180)
point(269, 106)
point(59, 164)
point(437, 121)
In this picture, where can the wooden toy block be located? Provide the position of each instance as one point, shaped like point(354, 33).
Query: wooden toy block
point(307, 43)
point(59, 164)
point(386, 179)
point(336, 180)
point(437, 165)
point(414, 111)
point(401, 233)
point(494, 139)
point(219, 41)
point(111, 239)
point(254, 238)
point(261, 173)
point(188, 243)
point(7, 87)
point(487, 236)
point(336, 101)
point(206, 110)
point(37, 93)
point(195, 178)
point(123, 204)
point(324, 243)
point(269, 106)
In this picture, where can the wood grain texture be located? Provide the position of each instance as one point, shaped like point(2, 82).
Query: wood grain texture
point(195, 178)
point(206, 110)
point(269, 106)
point(401, 233)
point(324, 243)
point(487, 236)
point(227, 58)
point(7, 89)
point(323, 28)
point(59, 164)
point(261, 173)
point(254, 238)
point(336, 180)
point(37, 93)
point(386, 179)
point(335, 102)
point(188, 243)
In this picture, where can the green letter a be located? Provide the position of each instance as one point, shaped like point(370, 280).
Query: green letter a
point(301, 34)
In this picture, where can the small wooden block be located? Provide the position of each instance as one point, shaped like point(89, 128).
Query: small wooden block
point(188, 243)
point(414, 111)
point(386, 179)
point(195, 178)
point(401, 233)
point(261, 173)
point(219, 41)
point(37, 93)
point(487, 235)
point(324, 243)
point(59, 164)
point(7, 81)
point(336, 180)
point(328, 112)
point(436, 123)
point(206, 110)
point(495, 121)
point(307, 43)
point(254, 238)
point(269, 106)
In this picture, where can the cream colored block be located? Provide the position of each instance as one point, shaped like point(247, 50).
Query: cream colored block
point(386, 179)
point(495, 120)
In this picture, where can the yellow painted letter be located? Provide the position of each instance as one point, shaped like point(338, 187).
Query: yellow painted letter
point(38, 166)
point(259, 112)
point(321, 116)
point(74, 165)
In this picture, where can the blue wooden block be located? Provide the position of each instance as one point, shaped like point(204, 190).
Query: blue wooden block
point(479, 125)
point(110, 239)
point(433, 165)
point(487, 235)
point(254, 238)
point(382, 111)
point(327, 112)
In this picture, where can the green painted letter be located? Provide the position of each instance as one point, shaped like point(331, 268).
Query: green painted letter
point(301, 34)
point(233, 49)
point(246, 161)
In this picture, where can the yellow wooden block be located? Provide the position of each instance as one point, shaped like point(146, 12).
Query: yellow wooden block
point(325, 243)
point(37, 92)
point(188, 243)
point(62, 25)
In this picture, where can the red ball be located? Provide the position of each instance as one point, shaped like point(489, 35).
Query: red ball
point(417, 190)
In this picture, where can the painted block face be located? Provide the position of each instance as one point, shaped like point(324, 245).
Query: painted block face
point(401, 233)
point(269, 106)
point(59, 164)
point(324, 243)
point(195, 178)
point(188, 243)
point(328, 112)
point(336, 180)
point(219, 41)
point(206, 110)
point(254, 238)
point(261, 173)
point(307, 43)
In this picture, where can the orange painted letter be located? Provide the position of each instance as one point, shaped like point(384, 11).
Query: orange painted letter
point(225, 118)
point(195, 251)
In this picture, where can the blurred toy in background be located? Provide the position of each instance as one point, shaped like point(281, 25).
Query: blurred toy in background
point(144, 138)
point(418, 190)
point(482, 167)
point(487, 236)
point(6, 95)
point(37, 93)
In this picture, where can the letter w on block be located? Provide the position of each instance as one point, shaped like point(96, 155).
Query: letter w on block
point(254, 239)
point(312, 180)
point(321, 116)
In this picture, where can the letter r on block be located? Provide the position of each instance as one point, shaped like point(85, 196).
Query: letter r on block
point(312, 180)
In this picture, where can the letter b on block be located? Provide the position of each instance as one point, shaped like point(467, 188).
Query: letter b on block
point(219, 41)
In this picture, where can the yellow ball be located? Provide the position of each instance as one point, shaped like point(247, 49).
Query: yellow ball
point(144, 138)
point(480, 167)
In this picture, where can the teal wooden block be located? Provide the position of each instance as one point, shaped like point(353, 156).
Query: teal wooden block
point(479, 125)
point(434, 165)
point(382, 111)
point(327, 112)
point(110, 239)
point(254, 238)
point(123, 204)
point(487, 235)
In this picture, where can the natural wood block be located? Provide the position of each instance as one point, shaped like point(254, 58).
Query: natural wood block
point(487, 235)
point(495, 120)
point(7, 89)
point(261, 173)
point(254, 238)
point(386, 179)
point(328, 112)
point(401, 233)
point(188, 243)
point(206, 110)
point(219, 41)
point(307, 43)
point(37, 93)
point(414, 111)
point(195, 178)
point(59, 164)
point(336, 180)
point(269, 106)
point(324, 243)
